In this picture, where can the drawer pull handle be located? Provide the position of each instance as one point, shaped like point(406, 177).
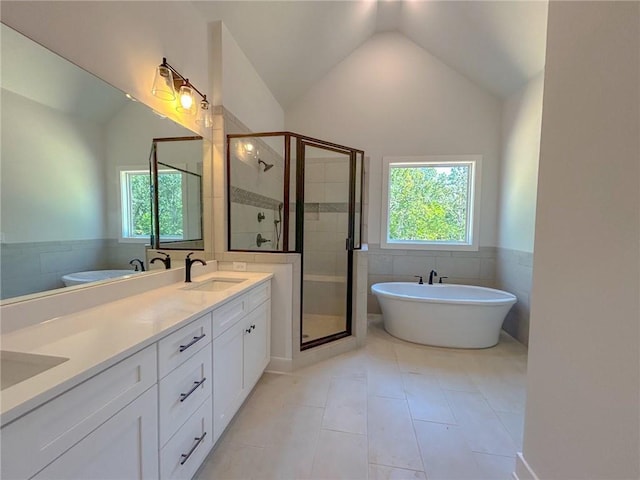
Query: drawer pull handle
point(185, 456)
point(248, 330)
point(195, 339)
point(184, 396)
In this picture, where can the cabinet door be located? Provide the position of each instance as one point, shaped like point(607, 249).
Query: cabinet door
point(227, 377)
point(125, 446)
point(257, 342)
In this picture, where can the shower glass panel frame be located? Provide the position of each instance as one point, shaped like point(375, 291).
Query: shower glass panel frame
point(192, 196)
point(257, 155)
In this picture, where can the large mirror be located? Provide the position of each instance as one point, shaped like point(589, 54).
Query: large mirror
point(69, 141)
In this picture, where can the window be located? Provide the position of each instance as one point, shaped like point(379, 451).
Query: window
point(135, 189)
point(429, 202)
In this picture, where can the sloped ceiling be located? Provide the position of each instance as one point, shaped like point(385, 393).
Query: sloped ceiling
point(292, 44)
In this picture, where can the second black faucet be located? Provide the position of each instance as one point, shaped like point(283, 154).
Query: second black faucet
point(188, 263)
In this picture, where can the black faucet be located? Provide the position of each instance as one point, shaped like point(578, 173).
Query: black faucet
point(187, 266)
point(442, 278)
point(135, 262)
point(166, 260)
point(432, 273)
point(420, 282)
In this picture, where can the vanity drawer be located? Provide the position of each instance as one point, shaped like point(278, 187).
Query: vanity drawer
point(182, 344)
point(181, 457)
point(259, 294)
point(183, 391)
point(228, 314)
point(39, 437)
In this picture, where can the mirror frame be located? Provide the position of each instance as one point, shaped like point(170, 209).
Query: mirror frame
point(155, 207)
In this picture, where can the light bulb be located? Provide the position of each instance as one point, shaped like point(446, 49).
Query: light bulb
point(185, 97)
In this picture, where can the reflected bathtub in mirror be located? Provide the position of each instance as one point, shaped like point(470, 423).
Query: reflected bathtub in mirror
point(80, 278)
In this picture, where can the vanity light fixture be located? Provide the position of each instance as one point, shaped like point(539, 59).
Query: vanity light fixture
point(165, 84)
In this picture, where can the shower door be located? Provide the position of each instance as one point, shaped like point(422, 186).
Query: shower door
point(324, 176)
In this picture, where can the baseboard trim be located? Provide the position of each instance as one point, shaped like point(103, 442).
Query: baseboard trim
point(280, 365)
point(523, 469)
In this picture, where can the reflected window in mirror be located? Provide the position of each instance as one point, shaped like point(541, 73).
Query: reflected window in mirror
point(135, 187)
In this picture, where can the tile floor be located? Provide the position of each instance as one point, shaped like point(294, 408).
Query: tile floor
point(390, 410)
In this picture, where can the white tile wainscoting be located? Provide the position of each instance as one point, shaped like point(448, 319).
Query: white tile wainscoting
point(493, 267)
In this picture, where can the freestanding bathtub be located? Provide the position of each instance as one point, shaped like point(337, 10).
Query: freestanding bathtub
point(78, 278)
point(444, 315)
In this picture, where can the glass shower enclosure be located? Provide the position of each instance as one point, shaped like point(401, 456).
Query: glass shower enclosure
point(289, 193)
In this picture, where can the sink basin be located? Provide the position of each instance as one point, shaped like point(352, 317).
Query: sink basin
point(16, 367)
point(215, 285)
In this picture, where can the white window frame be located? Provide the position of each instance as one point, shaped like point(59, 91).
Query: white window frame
point(125, 219)
point(473, 199)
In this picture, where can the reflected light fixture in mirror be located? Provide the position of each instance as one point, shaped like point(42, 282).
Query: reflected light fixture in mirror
point(167, 79)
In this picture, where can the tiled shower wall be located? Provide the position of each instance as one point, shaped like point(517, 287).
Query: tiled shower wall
point(38, 266)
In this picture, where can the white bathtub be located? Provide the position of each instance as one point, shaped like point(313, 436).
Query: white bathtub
point(79, 278)
point(444, 315)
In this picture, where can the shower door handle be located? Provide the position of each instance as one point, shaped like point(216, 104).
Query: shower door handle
point(349, 244)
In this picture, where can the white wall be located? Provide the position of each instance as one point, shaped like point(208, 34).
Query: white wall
point(521, 123)
point(244, 93)
point(121, 42)
point(391, 97)
point(582, 414)
point(45, 152)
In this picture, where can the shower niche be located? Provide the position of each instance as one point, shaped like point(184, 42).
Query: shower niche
point(289, 193)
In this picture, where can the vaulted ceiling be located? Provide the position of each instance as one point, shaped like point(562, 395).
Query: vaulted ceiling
point(292, 44)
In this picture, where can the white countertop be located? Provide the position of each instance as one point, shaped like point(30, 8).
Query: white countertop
point(96, 338)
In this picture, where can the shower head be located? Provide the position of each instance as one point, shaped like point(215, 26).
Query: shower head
point(267, 166)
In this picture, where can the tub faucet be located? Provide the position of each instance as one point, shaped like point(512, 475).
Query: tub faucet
point(432, 274)
point(188, 262)
point(135, 262)
point(442, 278)
point(166, 260)
point(420, 282)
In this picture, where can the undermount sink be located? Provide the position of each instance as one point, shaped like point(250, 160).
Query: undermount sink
point(16, 367)
point(215, 284)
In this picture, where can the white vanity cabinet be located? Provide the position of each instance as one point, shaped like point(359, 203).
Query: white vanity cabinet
point(77, 429)
point(154, 415)
point(184, 399)
point(123, 447)
point(240, 353)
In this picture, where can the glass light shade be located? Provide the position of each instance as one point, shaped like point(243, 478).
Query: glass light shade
point(186, 103)
point(163, 84)
point(204, 115)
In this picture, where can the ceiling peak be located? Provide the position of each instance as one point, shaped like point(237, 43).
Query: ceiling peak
point(389, 15)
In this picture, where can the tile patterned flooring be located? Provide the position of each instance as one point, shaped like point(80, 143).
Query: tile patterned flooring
point(390, 410)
